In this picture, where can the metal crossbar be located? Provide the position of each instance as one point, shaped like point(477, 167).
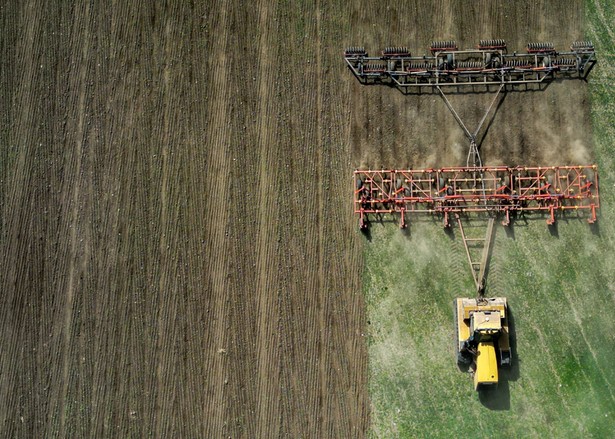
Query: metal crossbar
point(478, 269)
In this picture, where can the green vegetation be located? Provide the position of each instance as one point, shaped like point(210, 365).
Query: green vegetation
point(562, 295)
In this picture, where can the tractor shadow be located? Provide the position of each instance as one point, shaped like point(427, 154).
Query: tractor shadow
point(498, 399)
point(463, 90)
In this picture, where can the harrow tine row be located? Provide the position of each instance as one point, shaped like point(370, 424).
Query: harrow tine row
point(470, 65)
point(419, 66)
point(395, 51)
point(540, 48)
point(438, 46)
point(582, 46)
point(525, 63)
point(486, 189)
point(375, 68)
point(564, 62)
point(492, 44)
point(355, 51)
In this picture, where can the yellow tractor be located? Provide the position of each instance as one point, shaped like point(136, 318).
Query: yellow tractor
point(483, 342)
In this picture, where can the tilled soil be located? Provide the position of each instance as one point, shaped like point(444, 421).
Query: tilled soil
point(179, 257)
point(534, 128)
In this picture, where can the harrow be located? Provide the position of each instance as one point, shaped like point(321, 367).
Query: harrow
point(488, 64)
point(582, 46)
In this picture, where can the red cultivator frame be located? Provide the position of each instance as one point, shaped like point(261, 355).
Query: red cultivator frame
point(496, 189)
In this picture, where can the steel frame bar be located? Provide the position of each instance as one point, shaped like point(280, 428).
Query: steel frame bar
point(473, 158)
point(495, 189)
point(478, 274)
point(485, 256)
point(446, 68)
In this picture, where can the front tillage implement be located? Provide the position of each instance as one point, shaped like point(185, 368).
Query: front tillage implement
point(488, 64)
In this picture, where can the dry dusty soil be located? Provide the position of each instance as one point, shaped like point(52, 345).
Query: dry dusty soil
point(179, 254)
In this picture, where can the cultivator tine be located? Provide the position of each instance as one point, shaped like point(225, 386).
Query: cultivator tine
point(592, 218)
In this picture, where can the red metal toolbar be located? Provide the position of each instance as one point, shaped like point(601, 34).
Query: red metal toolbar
point(497, 189)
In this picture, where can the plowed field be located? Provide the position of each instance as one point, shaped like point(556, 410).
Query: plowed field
point(178, 254)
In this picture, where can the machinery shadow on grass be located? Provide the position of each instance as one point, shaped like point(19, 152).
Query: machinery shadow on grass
point(517, 221)
point(595, 228)
point(367, 233)
point(520, 221)
point(499, 398)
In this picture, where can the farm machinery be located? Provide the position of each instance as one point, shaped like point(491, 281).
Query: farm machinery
point(482, 323)
point(483, 337)
point(489, 64)
point(493, 189)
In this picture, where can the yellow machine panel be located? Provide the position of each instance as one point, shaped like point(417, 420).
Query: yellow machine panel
point(486, 372)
